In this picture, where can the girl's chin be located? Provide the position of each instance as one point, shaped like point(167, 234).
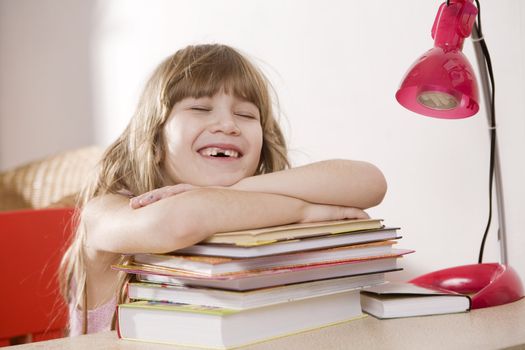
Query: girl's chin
point(216, 178)
point(224, 182)
point(215, 181)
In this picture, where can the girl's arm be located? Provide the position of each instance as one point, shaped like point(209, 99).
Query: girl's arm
point(333, 182)
point(179, 221)
point(337, 182)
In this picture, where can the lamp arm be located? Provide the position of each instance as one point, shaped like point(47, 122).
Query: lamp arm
point(496, 159)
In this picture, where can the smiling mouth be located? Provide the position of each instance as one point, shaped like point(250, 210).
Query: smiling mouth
point(217, 152)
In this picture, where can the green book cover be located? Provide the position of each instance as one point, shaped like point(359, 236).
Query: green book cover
point(174, 307)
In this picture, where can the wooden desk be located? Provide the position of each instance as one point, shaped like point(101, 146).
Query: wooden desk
point(501, 327)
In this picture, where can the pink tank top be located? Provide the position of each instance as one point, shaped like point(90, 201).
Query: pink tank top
point(99, 319)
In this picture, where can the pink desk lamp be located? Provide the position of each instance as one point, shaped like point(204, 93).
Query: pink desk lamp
point(442, 84)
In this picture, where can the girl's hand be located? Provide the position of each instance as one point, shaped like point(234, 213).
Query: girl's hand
point(322, 212)
point(158, 194)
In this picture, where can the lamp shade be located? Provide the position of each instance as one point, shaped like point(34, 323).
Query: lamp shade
point(441, 83)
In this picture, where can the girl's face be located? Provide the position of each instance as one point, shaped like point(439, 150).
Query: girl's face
point(212, 141)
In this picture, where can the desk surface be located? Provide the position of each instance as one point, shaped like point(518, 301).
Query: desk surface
point(492, 328)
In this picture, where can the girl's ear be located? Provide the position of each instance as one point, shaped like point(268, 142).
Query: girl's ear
point(158, 155)
point(158, 148)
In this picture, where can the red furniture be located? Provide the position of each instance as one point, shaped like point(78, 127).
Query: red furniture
point(31, 245)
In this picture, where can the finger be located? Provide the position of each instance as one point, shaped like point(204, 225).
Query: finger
point(148, 197)
point(134, 203)
point(143, 200)
point(359, 214)
point(363, 215)
point(355, 213)
point(177, 189)
point(158, 194)
point(169, 191)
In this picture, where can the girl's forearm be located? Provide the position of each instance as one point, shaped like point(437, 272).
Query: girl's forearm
point(335, 182)
point(204, 212)
point(207, 211)
point(185, 219)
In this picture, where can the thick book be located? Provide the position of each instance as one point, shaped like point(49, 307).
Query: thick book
point(218, 328)
point(266, 278)
point(293, 231)
point(249, 299)
point(292, 245)
point(213, 265)
point(393, 300)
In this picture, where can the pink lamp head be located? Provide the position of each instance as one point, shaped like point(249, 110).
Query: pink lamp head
point(441, 83)
point(488, 284)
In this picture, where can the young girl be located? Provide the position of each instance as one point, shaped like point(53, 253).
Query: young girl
point(202, 154)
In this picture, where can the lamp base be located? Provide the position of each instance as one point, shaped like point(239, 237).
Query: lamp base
point(488, 284)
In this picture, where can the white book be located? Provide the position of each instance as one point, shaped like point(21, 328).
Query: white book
point(249, 299)
point(288, 246)
point(212, 266)
point(207, 327)
point(395, 299)
point(272, 278)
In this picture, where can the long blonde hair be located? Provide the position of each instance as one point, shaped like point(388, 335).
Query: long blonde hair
point(134, 161)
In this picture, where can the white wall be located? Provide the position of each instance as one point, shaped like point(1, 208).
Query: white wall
point(336, 66)
point(45, 78)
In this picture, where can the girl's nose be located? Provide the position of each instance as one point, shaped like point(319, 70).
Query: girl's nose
point(226, 123)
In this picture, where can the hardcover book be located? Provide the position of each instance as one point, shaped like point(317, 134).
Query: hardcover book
point(393, 299)
point(211, 266)
point(290, 245)
point(294, 231)
point(249, 299)
point(265, 278)
point(218, 328)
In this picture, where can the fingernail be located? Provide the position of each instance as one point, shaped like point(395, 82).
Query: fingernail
point(146, 200)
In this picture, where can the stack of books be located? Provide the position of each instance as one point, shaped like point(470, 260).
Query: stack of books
point(242, 287)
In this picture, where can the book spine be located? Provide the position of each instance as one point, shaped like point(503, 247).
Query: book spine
point(117, 324)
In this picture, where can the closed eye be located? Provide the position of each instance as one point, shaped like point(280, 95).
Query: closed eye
point(246, 115)
point(200, 108)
